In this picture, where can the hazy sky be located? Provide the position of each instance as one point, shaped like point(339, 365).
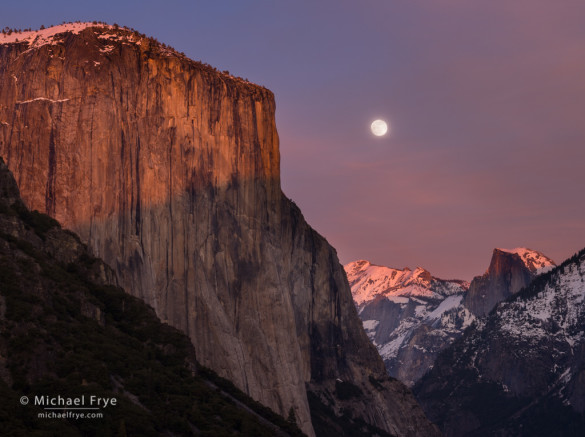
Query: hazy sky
point(486, 101)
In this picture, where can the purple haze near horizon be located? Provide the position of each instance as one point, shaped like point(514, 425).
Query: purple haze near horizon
point(486, 101)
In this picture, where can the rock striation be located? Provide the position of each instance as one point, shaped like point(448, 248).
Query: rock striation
point(169, 170)
point(509, 271)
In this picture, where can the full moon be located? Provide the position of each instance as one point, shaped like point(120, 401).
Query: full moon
point(379, 128)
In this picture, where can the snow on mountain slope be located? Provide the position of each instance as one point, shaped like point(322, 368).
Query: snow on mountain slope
point(408, 314)
point(527, 359)
point(411, 316)
point(559, 306)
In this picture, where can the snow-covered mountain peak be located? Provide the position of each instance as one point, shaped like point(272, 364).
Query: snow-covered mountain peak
point(368, 281)
point(421, 275)
point(534, 261)
point(409, 315)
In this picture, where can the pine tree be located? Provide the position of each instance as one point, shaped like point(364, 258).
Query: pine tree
point(291, 416)
point(122, 429)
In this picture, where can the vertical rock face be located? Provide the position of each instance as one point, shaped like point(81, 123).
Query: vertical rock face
point(508, 273)
point(170, 171)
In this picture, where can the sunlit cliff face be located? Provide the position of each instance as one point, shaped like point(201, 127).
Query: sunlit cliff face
point(152, 123)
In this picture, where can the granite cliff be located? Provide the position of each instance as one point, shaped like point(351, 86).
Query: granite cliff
point(508, 273)
point(169, 171)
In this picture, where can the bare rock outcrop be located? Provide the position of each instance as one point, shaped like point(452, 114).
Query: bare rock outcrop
point(508, 273)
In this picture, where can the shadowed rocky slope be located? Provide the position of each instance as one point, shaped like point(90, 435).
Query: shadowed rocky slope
point(169, 170)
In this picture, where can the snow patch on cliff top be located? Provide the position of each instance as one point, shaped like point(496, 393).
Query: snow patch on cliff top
point(107, 34)
point(41, 37)
point(535, 261)
point(53, 34)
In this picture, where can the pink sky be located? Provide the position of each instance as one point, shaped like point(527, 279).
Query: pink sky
point(487, 101)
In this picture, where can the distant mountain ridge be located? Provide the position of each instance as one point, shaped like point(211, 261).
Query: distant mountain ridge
point(367, 281)
point(411, 316)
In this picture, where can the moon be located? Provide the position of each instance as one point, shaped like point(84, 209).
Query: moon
point(379, 128)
